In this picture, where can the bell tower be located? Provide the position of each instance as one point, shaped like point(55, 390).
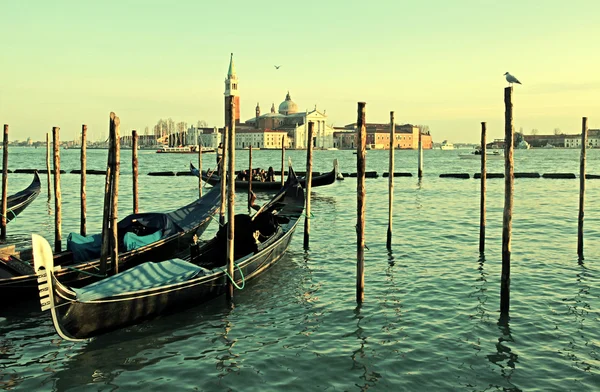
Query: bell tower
point(231, 90)
point(257, 111)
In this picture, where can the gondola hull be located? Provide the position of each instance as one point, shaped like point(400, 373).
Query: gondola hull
point(24, 285)
point(19, 201)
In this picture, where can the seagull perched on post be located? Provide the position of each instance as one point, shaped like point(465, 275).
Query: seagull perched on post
point(511, 79)
point(277, 66)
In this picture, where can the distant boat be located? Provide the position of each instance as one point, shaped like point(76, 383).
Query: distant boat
point(523, 145)
point(184, 150)
point(548, 145)
point(477, 155)
point(446, 145)
point(332, 149)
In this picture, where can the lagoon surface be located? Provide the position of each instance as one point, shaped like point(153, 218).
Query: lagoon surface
point(430, 320)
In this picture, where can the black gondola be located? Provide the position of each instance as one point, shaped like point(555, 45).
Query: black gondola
point(178, 229)
point(19, 201)
point(321, 180)
point(151, 289)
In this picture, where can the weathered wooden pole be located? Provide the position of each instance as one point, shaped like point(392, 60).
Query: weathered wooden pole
point(135, 170)
point(114, 249)
point(483, 190)
point(48, 164)
point(509, 186)
point(231, 200)
point(249, 176)
point(309, 164)
point(584, 135)
point(4, 183)
point(282, 159)
point(199, 169)
point(361, 202)
point(57, 194)
point(391, 180)
point(223, 178)
point(106, 214)
point(420, 170)
point(83, 220)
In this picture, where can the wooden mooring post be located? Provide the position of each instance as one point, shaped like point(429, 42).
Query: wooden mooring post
point(48, 164)
point(4, 183)
point(83, 219)
point(57, 194)
point(483, 190)
point(199, 169)
point(509, 186)
point(107, 233)
point(231, 199)
point(391, 180)
point(420, 170)
point(223, 175)
point(135, 170)
point(309, 165)
point(584, 136)
point(361, 140)
point(282, 160)
point(250, 177)
point(114, 249)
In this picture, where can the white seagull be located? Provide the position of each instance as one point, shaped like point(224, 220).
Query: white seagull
point(511, 79)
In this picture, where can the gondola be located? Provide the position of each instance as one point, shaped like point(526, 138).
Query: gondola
point(321, 180)
point(19, 201)
point(152, 289)
point(142, 237)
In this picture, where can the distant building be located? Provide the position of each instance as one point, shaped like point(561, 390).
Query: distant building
point(260, 138)
point(563, 140)
point(378, 137)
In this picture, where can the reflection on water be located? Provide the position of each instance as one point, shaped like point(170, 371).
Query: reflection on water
point(360, 360)
point(504, 357)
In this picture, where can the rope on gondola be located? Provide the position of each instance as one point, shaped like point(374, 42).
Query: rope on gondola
point(85, 272)
point(9, 219)
point(233, 281)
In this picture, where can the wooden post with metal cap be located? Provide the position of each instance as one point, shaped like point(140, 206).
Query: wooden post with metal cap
point(361, 201)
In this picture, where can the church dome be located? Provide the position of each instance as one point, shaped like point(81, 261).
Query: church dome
point(288, 106)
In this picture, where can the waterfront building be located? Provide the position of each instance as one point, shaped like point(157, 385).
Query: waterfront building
point(406, 136)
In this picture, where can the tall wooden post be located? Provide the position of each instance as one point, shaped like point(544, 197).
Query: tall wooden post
point(48, 164)
point(509, 187)
point(108, 191)
point(57, 194)
point(420, 170)
point(584, 135)
point(483, 190)
point(249, 176)
point(83, 220)
point(282, 159)
point(223, 175)
point(309, 158)
point(4, 183)
point(391, 180)
point(361, 202)
point(114, 249)
point(135, 170)
point(199, 169)
point(231, 200)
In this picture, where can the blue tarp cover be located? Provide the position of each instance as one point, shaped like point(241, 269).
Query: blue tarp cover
point(144, 276)
point(133, 241)
point(84, 248)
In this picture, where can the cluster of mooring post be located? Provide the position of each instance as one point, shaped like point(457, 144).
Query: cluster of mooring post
point(250, 178)
point(509, 187)
point(391, 180)
point(483, 190)
point(361, 201)
point(308, 182)
point(82, 228)
point(57, 194)
point(48, 165)
point(134, 170)
point(282, 159)
point(584, 134)
point(200, 168)
point(4, 183)
point(111, 197)
point(230, 196)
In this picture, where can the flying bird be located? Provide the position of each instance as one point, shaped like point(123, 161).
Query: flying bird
point(511, 79)
point(277, 66)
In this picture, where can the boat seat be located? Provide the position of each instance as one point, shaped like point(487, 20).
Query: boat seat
point(142, 277)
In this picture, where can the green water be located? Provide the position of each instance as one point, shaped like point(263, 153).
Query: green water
point(430, 319)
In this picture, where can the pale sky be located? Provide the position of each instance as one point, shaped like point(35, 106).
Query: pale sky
point(440, 63)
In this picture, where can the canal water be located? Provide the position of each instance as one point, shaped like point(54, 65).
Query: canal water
point(430, 319)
